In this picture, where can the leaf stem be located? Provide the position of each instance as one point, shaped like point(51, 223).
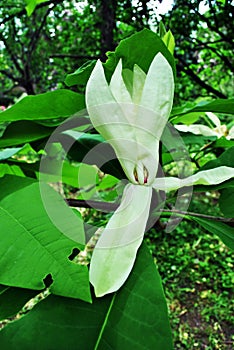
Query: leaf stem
point(105, 322)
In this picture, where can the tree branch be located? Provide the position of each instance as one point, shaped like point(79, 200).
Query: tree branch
point(61, 55)
point(23, 11)
point(109, 207)
point(36, 35)
point(9, 75)
point(198, 80)
point(101, 206)
point(221, 56)
point(13, 57)
point(198, 215)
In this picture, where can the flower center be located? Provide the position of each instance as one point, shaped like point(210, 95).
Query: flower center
point(144, 177)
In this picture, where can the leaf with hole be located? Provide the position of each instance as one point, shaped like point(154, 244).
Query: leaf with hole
point(32, 244)
point(133, 318)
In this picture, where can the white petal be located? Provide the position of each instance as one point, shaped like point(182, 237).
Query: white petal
point(205, 177)
point(197, 129)
point(153, 112)
point(213, 117)
point(116, 249)
point(157, 94)
point(109, 120)
point(118, 87)
point(231, 133)
point(139, 77)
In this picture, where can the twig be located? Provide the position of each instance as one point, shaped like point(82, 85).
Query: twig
point(109, 207)
point(23, 11)
point(198, 80)
point(189, 213)
point(102, 206)
point(61, 55)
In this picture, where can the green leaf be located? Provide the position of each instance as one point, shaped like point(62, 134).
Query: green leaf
point(216, 106)
point(20, 132)
point(91, 149)
point(108, 182)
point(226, 159)
point(79, 175)
point(224, 143)
point(226, 202)
point(223, 231)
point(162, 29)
point(6, 169)
point(169, 41)
point(54, 104)
point(187, 118)
point(133, 318)
point(31, 5)
point(32, 246)
point(140, 49)
point(81, 75)
point(13, 299)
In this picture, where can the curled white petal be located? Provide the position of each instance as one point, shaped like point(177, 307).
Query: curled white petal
point(116, 249)
point(213, 117)
point(197, 129)
point(231, 133)
point(205, 177)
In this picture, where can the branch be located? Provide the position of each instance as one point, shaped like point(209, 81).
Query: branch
point(198, 215)
point(61, 55)
point(210, 26)
point(109, 207)
point(102, 206)
point(190, 72)
point(9, 75)
point(221, 56)
point(36, 35)
point(13, 57)
point(23, 12)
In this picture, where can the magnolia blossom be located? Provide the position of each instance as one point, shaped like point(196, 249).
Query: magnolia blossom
point(130, 112)
point(219, 130)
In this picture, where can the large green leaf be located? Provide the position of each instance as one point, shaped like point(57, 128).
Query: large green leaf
point(13, 299)
point(90, 149)
point(217, 106)
point(140, 49)
point(226, 159)
point(32, 246)
point(76, 175)
point(133, 318)
point(54, 104)
point(21, 132)
point(223, 231)
point(226, 202)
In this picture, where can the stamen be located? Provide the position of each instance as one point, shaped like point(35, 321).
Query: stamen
point(135, 175)
point(146, 174)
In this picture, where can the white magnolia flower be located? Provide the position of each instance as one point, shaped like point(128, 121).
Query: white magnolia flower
point(130, 113)
point(219, 130)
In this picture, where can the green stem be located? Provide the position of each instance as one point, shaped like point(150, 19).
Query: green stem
point(105, 322)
